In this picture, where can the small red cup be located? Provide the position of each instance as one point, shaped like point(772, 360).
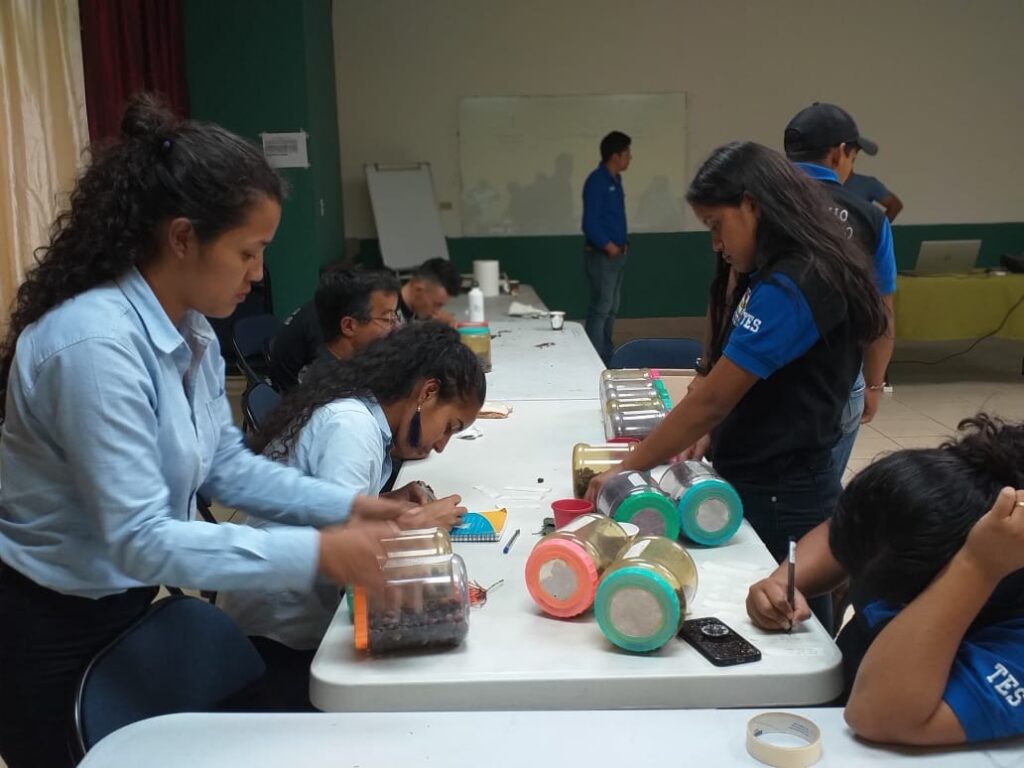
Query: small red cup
point(567, 510)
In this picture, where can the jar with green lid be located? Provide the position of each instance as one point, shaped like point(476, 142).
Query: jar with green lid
point(644, 595)
point(588, 461)
point(564, 567)
point(478, 339)
point(634, 497)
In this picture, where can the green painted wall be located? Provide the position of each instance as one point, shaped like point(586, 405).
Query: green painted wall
point(266, 66)
point(669, 273)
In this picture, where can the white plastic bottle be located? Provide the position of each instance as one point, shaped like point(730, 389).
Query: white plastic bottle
point(476, 305)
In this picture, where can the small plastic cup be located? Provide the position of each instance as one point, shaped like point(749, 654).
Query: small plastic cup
point(567, 510)
point(557, 320)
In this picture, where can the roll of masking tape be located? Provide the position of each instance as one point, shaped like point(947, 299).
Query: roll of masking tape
point(793, 741)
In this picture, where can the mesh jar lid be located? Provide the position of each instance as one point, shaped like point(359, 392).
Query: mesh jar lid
point(637, 609)
point(561, 578)
point(652, 512)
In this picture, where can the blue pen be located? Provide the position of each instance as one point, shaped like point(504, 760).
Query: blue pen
point(507, 547)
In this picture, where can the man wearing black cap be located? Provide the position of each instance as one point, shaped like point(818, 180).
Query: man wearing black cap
point(823, 140)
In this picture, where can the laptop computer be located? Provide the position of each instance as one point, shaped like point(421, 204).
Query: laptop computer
point(946, 257)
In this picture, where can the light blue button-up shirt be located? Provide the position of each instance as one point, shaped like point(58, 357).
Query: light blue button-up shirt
point(115, 419)
point(347, 442)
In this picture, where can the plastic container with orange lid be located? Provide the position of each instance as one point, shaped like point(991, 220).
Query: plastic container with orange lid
point(425, 603)
point(418, 542)
point(564, 567)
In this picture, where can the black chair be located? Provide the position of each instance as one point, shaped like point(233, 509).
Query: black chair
point(250, 338)
point(183, 655)
point(657, 353)
point(257, 402)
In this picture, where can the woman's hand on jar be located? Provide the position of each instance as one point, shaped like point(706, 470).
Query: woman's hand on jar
point(697, 451)
point(352, 554)
point(597, 483)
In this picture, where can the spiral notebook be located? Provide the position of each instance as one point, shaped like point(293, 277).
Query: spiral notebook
point(481, 526)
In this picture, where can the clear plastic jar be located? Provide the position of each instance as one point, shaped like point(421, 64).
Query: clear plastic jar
point(419, 542)
point(478, 339)
point(588, 461)
point(643, 597)
point(710, 510)
point(622, 421)
point(637, 401)
point(425, 603)
point(564, 567)
point(634, 497)
point(627, 373)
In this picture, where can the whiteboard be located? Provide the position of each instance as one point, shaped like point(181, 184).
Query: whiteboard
point(523, 160)
point(405, 210)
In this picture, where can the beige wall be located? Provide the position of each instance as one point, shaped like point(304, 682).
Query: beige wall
point(937, 83)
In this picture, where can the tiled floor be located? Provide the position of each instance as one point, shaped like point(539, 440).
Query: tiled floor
point(928, 401)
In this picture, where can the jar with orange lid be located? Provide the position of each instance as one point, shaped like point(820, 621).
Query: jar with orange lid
point(425, 603)
point(564, 567)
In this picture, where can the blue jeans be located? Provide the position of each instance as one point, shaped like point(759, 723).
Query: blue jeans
point(791, 503)
point(605, 277)
point(850, 426)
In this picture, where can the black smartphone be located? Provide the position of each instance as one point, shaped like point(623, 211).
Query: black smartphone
point(718, 643)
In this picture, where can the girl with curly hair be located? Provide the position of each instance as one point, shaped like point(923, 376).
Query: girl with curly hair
point(114, 417)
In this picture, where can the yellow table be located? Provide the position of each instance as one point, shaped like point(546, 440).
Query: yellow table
point(952, 307)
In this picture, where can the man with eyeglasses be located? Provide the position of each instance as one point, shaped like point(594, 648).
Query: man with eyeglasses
point(351, 308)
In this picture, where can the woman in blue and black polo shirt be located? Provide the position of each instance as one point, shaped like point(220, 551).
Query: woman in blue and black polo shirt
point(784, 353)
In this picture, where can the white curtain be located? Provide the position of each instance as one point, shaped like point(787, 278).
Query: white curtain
point(43, 128)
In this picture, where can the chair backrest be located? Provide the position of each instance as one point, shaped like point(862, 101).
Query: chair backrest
point(657, 353)
point(183, 655)
point(257, 403)
point(251, 339)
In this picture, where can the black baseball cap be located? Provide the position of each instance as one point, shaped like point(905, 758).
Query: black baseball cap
point(822, 125)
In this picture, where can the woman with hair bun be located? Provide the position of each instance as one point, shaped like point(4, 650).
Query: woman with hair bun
point(114, 416)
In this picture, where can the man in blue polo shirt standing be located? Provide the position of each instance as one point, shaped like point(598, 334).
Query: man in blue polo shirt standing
point(823, 140)
point(604, 227)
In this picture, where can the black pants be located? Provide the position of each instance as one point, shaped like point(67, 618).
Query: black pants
point(284, 687)
point(791, 503)
point(46, 641)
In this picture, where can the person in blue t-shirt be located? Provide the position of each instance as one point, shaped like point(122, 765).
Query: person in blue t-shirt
point(823, 141)
point(785, 344)
point(872, 190)
point(604, 252)
point(932, 541)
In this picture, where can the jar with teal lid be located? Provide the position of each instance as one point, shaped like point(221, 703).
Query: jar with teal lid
point(478, 339)
point(634, 497)
point(710, 510)
point(643, 597)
